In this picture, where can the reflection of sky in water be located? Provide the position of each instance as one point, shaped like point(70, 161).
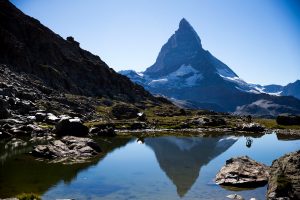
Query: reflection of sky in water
point(147, 171)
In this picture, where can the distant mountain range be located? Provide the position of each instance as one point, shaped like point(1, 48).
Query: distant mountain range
point(193, 77)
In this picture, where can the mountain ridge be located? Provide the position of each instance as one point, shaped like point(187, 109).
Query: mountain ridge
point(28, 46)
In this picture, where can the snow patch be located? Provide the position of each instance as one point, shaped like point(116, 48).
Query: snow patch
point(184, 76)
point(229, 138)
point(158, 81)
point(226, 73)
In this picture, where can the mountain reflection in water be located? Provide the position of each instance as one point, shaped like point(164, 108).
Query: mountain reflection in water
point(181, 158)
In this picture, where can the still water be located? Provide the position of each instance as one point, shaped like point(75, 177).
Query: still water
point(158, 168)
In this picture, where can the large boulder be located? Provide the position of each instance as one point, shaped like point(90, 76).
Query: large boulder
point(69, 147)
point(105, 132)
point(288, 120)
point(4, 112)
point(251, 127)
point(71, 127)
point(243, 172)
point(212, 121)
point(15, 143)
point(51, 118)
point(284, 181)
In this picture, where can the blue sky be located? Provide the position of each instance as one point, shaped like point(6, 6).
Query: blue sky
point(258, 39)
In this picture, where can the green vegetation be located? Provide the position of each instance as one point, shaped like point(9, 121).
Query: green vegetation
point(45, 126)
point(272, 124)
point(28, 196)
point(121, 116)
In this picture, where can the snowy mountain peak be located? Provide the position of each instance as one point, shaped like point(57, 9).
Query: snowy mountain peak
point(185, 72)
point(182, 46)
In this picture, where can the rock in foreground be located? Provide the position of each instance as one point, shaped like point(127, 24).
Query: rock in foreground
point(69, 147)
point(235, 196)
point(71, 127)
point(243, 172)
point(284, 181)
point(251, 127)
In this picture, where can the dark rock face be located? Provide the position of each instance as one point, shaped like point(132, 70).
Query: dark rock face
point(71, 147)
point(243, 172)
point(28, 46)
point(284, 181)
point(288, 120)
point(71, 127)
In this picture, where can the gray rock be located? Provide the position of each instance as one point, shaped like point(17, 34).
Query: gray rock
point(284, 181)
point(41, 138)
point(235, 196)
point(94, 130)
point(105, 132)
point(51, 118)
point(15, 143)
point(24, 107)
point(142, 116)
point(251, 127)
point(243, 172)
point(39, 116)
point(213, 121)
point(71, 147)
point(70, 127)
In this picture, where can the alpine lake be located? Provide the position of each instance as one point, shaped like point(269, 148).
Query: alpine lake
point(164, 167)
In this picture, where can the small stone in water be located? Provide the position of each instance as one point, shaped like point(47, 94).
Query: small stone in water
point(235, 196)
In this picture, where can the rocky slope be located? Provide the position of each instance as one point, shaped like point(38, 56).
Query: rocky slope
point(185, 72)
point(28, 46)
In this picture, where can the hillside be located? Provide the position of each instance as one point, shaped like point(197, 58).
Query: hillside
point(28, 46)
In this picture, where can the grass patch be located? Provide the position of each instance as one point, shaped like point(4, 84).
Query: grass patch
point(94, 123)
point(272, 124)
point(103, 110)
point(28, 196)
point(46, 126)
